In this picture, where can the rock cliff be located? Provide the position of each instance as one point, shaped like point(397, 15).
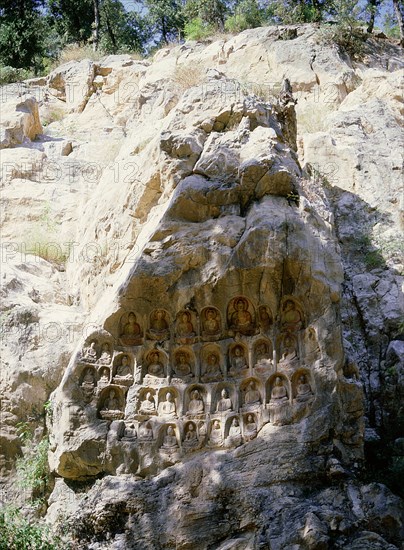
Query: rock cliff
point(204, 264)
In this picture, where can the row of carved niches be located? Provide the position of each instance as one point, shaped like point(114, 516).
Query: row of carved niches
point(207, 362)
point(188, 326)
point(179, 436)
point(283, 396)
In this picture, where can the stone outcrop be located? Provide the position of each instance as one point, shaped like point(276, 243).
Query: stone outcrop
point(19, 121)
point(229, 348)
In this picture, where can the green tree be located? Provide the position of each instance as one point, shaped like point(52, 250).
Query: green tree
point(22, 30)
point(399, 12)
point(373, 10)
point(122, 31)
point(166, 19)
point(247, 14)
point(211, 12)
point(72, 19)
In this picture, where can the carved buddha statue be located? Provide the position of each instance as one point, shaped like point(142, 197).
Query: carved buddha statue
point(265, 319)
point(191, 438)
point(90, 353)
point(88, 379)
point(288, 351)
point(261, 352)
point(159, 328)
point(111, 403)
point(123, 369)
point(241, 319)
point(88, 384)
point(303, 389)
point(238, 360)
point(212, 370)
point(252, 395)
point(131, 332)
point(148, 405)
point(182, 367)
point(211, 324)
point(167, 408)
point(104, 378)
point(170, 439)
point(234, 438)
point(215, 437)
point(279, 392)
point(146, 432)
point(155, 367)
point(106, 355)
point(185, 328)
point(291, 317)
point(130, 433)
point(250, 428)
point(196, 404)
point(224, 404)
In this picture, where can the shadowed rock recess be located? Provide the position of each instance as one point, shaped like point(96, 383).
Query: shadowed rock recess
point(218, 395)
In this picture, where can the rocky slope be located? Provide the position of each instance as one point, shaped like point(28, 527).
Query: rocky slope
point(182, 185)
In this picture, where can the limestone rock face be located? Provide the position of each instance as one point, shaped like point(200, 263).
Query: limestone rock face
point(220, 268)
point(19, 121)
point(73, 83)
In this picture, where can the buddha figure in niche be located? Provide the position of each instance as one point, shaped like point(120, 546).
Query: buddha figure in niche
point(104, 378)
point(224, 404)
point(303, 389)
point(202, 429)
point(241, 319)
point(90, 353)
point(111, 403)
point(252, 395)
point(212, 369)
point(182, 367)
point(155, 367)
point(234, 438)
point(291, 318)
point(237, 360)
point(250, 428)
point(131, 333)
point(129, 433)
point(265, 318)
point(279, 392)
point(123, 370)
point(211, 322)
point(88, 379)
point(185, 328)
point(148, 405)
point(106, 355)
point(262, 352)
point(88, 384)
point(216, 438)
point(170, 439)
point(196, 404)
point(159, 328)
point(288, 348)
point(146, 431)
point(167, 408)
point(191, 438)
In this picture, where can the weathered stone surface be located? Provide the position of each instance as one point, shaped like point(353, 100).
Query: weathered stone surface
point(73, 83)
point(19, 121)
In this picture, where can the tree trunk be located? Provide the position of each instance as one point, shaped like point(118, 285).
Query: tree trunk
point(400, 19)
point(96, 31)
point(164, 30)
point(111, 35)
point(372, 8)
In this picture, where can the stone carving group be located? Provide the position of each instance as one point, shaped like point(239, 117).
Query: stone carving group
point(196, 381)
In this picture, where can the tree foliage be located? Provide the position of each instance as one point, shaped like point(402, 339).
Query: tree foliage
point(21, 33)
